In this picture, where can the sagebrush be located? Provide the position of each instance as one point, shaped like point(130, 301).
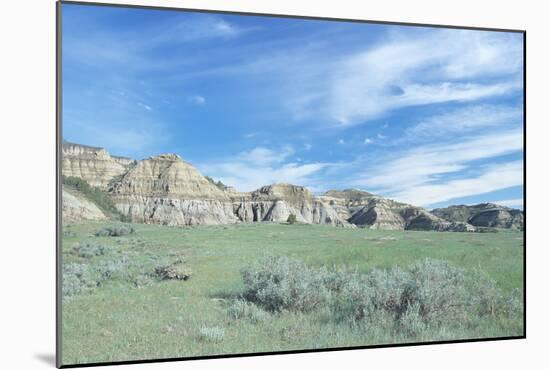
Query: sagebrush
point(115, 230)
point(430, 294)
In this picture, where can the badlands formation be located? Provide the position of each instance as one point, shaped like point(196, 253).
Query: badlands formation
point(165, 189)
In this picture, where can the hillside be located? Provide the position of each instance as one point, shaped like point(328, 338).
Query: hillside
point(483, 215)
point(164, 189)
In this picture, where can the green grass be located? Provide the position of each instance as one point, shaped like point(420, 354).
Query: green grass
point(121, 319)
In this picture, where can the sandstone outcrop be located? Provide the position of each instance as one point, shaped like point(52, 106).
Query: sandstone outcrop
point(164, 189)
point(76, 207)
point(93, 164)
point(499, 218)
point(483, 215)
point(370, 211)
point(276, 202)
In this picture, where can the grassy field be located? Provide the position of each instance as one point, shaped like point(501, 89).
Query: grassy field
point(116, 309)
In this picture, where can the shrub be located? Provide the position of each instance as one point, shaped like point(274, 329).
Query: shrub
point(487, 299)
point(512, 305)
point(411, 323)
point(218, 184)
point(115, 230)
point(388, 287)
point(438, 289)
point(430, 294)
point(142, 280)
point(485, 230)
point(365, 297)
point(110, 269)
point(177, 271)
point(278, 283)
point(243, 310)
point(89, 249)
point(291, 219)
point(77, 279)
point(211, 334)
point(353, 303)
point(484, 294)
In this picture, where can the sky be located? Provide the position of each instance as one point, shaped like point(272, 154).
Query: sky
point(427, 116)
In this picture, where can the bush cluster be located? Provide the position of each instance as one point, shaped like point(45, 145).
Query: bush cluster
point(115, 230)
point(431, 293)
point(279, 283)
point(110, 269)
point(291, 219)
point(78, 279)
point(90, 249)
point(177, 270)
point(83, 278)
point(218, 184)
point(486, 230)
point(241, 309)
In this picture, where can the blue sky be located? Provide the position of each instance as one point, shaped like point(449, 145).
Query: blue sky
point(422, 115)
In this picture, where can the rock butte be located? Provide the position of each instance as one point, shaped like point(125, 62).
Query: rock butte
point(164, 189)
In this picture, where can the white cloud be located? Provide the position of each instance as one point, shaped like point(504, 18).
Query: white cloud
point(145, 106)
point(341, 141)
point(261, 166)
point(381, 136)
point(197, 100)
point(265, 156)
point(496, 177)
point(435, 67)
point(197, 29)
point(367, 141)
point(515, 203)
point(226, 28)
point(416, 176)
point(467, 119)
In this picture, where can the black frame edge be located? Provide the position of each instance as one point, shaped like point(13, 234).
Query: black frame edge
point(271, 15)
point(290, 352)
point(525, 184)
point(59, 190)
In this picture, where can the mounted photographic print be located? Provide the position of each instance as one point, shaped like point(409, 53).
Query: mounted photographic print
point(240, 184)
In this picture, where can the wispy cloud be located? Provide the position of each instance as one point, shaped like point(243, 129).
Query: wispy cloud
point(250, 170)
point(145, 106)
point(517, 203)
point(367, 85)
point(265, 156)
point(450, 100)
point(496, 177)
point(111, 49)
point(467, 119)
point(417, 176)
point(193, 29)
point(197, 100)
